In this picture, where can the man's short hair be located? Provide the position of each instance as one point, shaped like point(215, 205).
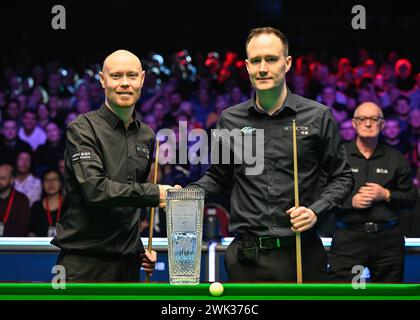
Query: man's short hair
point(270, 30)
point(356, 111)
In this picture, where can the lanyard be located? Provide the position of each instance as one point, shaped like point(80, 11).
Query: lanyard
point(49, 217)
point(9, 207)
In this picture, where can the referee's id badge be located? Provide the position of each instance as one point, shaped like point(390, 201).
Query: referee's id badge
point(52, 231)
point(1, 229)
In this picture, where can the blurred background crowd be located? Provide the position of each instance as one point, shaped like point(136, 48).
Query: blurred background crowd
point(193, 54)
point(37, 101)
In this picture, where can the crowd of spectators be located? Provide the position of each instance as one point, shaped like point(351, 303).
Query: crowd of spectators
point(38, 101)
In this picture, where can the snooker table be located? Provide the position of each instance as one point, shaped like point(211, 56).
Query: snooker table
point(31, 260)
point(232, 291)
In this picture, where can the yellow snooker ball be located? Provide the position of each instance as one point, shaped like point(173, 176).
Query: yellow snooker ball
point(216, 289)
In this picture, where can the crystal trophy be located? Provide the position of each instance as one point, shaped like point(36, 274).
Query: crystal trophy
point(184, 217)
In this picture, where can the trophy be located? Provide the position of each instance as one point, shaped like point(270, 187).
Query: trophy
point(184, 217)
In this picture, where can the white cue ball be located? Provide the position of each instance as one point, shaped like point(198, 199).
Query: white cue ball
point(216, 289)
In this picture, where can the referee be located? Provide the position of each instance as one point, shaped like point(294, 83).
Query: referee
point(367, 229)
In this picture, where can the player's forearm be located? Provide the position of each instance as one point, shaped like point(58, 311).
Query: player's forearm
point(216, 180)
point(104, 192)
point(335, 194)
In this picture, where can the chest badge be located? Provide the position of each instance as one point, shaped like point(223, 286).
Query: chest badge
point(142, 151)
point(247, 130)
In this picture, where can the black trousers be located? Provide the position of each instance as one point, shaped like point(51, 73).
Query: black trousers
point(381, 252)
point(80, 268)
point(278, 264)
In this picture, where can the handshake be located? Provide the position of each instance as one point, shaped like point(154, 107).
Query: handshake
point(162, 193)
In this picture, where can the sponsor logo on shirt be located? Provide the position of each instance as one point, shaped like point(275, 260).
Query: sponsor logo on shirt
point(247, 130)
point(381, 171)
point(142, 151)
point(355, 170)
point(300, 131)
point(81, 156)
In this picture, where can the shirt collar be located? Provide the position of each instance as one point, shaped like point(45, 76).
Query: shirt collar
point(289, 102)
point(378, 152)
point(113, 119)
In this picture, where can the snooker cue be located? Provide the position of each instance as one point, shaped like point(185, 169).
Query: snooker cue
point(295, 175)
point(152, 210)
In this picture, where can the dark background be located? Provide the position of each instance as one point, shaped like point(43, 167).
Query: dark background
point(95, 28)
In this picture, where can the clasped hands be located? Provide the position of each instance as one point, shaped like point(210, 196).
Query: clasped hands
point(368, 194)
point(162, 193)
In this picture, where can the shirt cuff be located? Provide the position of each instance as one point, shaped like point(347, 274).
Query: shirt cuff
point(151, 194)
point(319, 207)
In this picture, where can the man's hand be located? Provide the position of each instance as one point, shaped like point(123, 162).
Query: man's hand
point(162, 193)
point(362, 200)
point(148, 261)
point(302, 218)
point(375, 191)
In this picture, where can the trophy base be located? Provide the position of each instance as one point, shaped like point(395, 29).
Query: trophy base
point(184, 280)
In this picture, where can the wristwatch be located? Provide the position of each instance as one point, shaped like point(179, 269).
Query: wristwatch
point(388, 196)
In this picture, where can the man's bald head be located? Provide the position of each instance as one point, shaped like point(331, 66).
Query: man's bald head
point(119, 56)
point(122, 78)
point(368, 107)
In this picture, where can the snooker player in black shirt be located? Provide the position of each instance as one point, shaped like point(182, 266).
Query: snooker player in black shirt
point(107, 161)
point(263, 215)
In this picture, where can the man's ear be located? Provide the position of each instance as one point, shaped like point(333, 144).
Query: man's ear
point(288, 63)
point(143, 75)
point(246, 65)
point(102, 79)
point(383, 124)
